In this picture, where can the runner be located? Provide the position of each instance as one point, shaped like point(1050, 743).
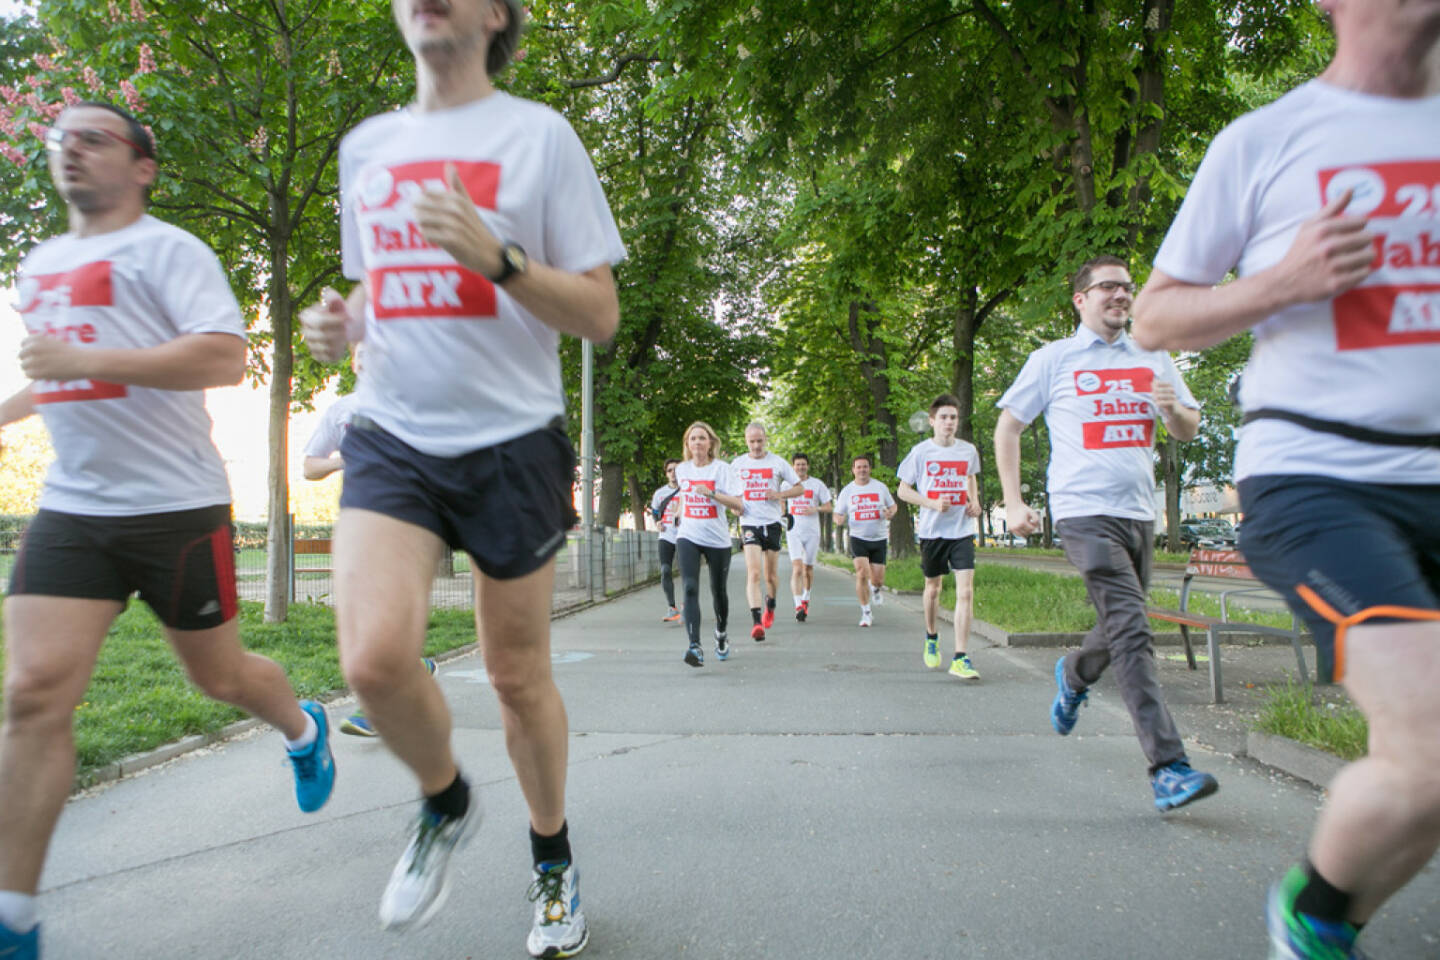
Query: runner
point(1325, 203)
point(1100, 394)
point(865, 504)
point(322, 451)
point(665, 507)
point(804, 536)
point(706, 483)
point(130, 319)
point(459, 438)
point(939, 476)
point(764, 477)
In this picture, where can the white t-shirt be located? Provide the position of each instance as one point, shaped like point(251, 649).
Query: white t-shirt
point(1096, 397)
point(943, 472)
point(703, 521)
point(453, 364)
point(864, 509)
point(1368, 357)
point(759, 476)
point(333, 424)
point(123, 450)
point(804, 507)
point(671, 512)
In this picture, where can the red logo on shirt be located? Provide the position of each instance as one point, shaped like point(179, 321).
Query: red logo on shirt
point(803, 504)
point(399, 293)
point(947, 481)
point(1107, 434)
point(89, 285)
point(757, 481)
point(865, 506)
point(386, 187)
point(1407, 195)
point(1127, 380)
point(698, 506)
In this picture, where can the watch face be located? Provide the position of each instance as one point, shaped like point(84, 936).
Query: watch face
point(516, 258)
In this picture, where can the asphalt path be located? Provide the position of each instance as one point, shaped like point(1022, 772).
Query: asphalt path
point(819, 795)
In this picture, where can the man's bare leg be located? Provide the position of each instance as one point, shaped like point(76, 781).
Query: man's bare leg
point(225, 671)
point(862, 581)
point(931, 602)
point(1381, 824)
point(51, 646)
point(798, 584)
point(964, 607)
point(513, 621)
point(754, 567)
point(381, 609)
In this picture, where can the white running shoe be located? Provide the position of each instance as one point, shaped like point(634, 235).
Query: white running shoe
point(877, 596)
point(420, 883)
point(866, 620)
point(559, 929)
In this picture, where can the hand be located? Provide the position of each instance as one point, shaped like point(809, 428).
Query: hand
point(939, 504)
point(972, 509)
point(50, 358)
point(773, 495)
point(1021, 520)
point(447, 218)
point(324, 327)
point(1165, 398)
point(1330, 254)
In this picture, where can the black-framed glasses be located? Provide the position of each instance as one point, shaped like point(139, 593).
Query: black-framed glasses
point(1110, 286)
point(89, 138)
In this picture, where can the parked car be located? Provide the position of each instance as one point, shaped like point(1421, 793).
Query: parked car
point(1008, 540)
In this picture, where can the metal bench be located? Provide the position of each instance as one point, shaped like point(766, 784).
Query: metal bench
point(1227, 565)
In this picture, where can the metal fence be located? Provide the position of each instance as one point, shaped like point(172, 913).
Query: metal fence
point(587, 569)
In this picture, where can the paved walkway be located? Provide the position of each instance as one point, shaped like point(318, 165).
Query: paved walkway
point(820, 795)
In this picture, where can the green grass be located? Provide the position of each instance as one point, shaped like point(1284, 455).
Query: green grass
point(1290, 711)
point(139, 698)
point(1161, 556)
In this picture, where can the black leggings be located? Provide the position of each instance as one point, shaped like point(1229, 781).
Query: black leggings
point(667, 575)
point(718, 560)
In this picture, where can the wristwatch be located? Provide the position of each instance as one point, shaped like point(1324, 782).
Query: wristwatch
point(512, 261)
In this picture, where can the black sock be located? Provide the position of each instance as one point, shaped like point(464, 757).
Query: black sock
point(1319, 899)
point(959, 655)
point(451, 802)
point(770, 603)
point(554, 849)
point(932, 636)
point(755, 613)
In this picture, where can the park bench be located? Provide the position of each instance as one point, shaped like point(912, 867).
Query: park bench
point(322, 546)
point(1226, 565)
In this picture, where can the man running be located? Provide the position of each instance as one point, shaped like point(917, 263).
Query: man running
point(764, 477)
point(803, 538)
point(939, 476)
point(665, 507)
point(481, 233)
point(1100, 394)
point(866, 506)
point(1325, 204)
point(130, 319)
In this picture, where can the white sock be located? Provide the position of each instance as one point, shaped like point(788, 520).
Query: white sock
point(312, 730)
point(865, 609)
point(805, 596)
point(17, 911)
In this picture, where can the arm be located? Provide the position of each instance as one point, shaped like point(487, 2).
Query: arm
point(334, 323)
point(581, 304)
point(1330, 254)
point(972, 503)
point(1182, 421)
point(910, 495)
point(192, 361)
point(1020, 518)
point(736, 504)
point(891, 510)
point(787, 493)
point(318, 468)
point(17, 406)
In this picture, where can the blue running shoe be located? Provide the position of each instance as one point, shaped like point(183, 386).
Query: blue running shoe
point(430, 666)
point(1299, 936)
point(315, 765)
point(1176, 785)
point(1066, 708)
point(722, 646)
point(357, 725)
point(695, 656)
point(20, 946)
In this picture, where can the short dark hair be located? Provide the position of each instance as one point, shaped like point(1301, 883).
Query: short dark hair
point(944, 400)
point(863, 456)
point(135, 130)
point(672, 462)
point(799, 456)
point(505, 43)
point(1082, 276)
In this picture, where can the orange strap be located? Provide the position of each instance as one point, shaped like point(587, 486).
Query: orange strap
point(1343, 622)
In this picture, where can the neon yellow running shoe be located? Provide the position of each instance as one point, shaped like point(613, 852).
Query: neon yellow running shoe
point(960, 667)
point(932, 652)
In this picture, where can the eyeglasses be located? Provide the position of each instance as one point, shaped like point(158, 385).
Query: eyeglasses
point(89, 138)
point(1110, 286)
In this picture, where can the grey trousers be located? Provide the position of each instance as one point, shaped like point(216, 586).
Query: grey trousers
point(1114, 557)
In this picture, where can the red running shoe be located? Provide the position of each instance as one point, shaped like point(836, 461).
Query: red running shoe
point(757, 633)
point(767, 619)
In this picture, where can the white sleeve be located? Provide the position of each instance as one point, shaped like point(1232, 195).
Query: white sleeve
point(326, 438)
point(974, 461)
point(352, 259)
point(889, 500)
point(822, 495)
point(788, 474)
point(1028, 395)
point(842, 501)
point(1209, 233)
point(580, 232)
point(193, 290)
point(909, 471)
point(726, 481)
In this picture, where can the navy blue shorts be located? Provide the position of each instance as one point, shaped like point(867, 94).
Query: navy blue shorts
point(182, 564)
point(872, 550)
point(938, 556)
point(1335, 549)
point(508, 506)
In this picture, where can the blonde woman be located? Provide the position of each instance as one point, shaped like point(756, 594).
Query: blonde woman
point(706, 484)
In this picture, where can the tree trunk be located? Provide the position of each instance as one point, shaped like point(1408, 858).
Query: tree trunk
point(278, 533)
point(874, 363)
point(612, 491)
point(1170, 459)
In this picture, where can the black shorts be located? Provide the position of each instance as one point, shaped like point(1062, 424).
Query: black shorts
point(939, 556)
point(1352, 546)
point(182, 564)
point(508, 506)
point(872, 550)
point(766, 537)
